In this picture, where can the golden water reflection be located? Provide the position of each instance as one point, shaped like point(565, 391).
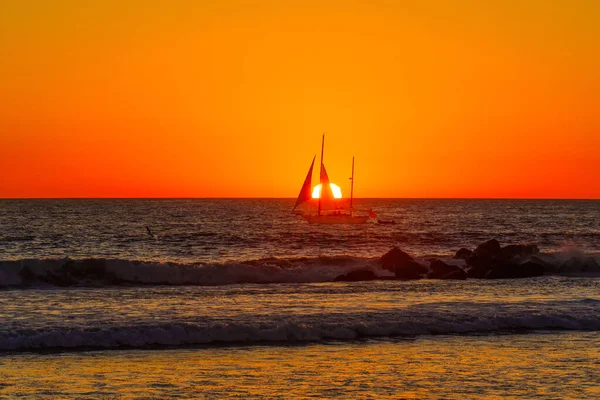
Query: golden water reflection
point(559, 365)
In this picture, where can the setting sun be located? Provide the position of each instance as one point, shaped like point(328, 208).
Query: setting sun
point(337, 192)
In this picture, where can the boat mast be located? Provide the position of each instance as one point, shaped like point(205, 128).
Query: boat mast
point(321, 174)
point(352, 185)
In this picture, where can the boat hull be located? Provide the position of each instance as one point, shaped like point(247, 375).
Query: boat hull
point(336, 219)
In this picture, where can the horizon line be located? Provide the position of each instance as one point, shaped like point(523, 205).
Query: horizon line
point(291, 198)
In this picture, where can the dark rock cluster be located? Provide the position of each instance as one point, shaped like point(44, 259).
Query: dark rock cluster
point(405, 267)
point(489, 260)
point(440, 270)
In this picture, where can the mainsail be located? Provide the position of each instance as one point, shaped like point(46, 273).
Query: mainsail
point(306, 191)
point(327, 201)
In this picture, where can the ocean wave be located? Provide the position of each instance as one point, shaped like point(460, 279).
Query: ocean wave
point(581, 315)
point(100, 272)
point(65, 272)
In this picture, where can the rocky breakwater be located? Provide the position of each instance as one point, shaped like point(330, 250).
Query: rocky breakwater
point(489, 260)
point(405, 267)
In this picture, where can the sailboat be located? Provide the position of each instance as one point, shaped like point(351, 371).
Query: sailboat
point(328, 211)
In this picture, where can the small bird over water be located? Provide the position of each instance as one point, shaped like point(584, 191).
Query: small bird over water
point(150, 232)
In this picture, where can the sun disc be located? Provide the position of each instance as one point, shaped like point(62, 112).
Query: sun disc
point(335, 189)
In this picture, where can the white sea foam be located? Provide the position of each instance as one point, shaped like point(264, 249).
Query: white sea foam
point(582, 315)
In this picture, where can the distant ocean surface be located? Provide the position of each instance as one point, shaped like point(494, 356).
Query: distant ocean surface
point(206, 230)
point(196, 307)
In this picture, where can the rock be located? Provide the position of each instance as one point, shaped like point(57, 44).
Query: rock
point(574, 264)
point(484, 254)
point(402, 265)
point(394, 259)
point(478, 272)
point(591, 265)
point(440, 270)
point(531, 269)
point(518, 253)
point(489, 248)
point(410, 270)
point(512, 270)
point(463, 254)
point(356, 276)
point(549, 268)
point(502, 271)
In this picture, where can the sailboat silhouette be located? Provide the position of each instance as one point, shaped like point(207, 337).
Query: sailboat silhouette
point(328, 211)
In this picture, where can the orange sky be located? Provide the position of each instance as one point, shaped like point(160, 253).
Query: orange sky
point(440, 98)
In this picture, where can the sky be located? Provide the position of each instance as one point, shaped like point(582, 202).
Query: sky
point(229, 98)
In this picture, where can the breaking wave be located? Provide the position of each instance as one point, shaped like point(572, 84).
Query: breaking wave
point(100, 272)
point(95, 272)
point(461, 319)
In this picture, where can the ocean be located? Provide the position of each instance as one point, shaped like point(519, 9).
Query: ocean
point(214, 298)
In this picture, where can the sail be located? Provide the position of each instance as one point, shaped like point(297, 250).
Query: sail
point(306, 191)
point(327, 199)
